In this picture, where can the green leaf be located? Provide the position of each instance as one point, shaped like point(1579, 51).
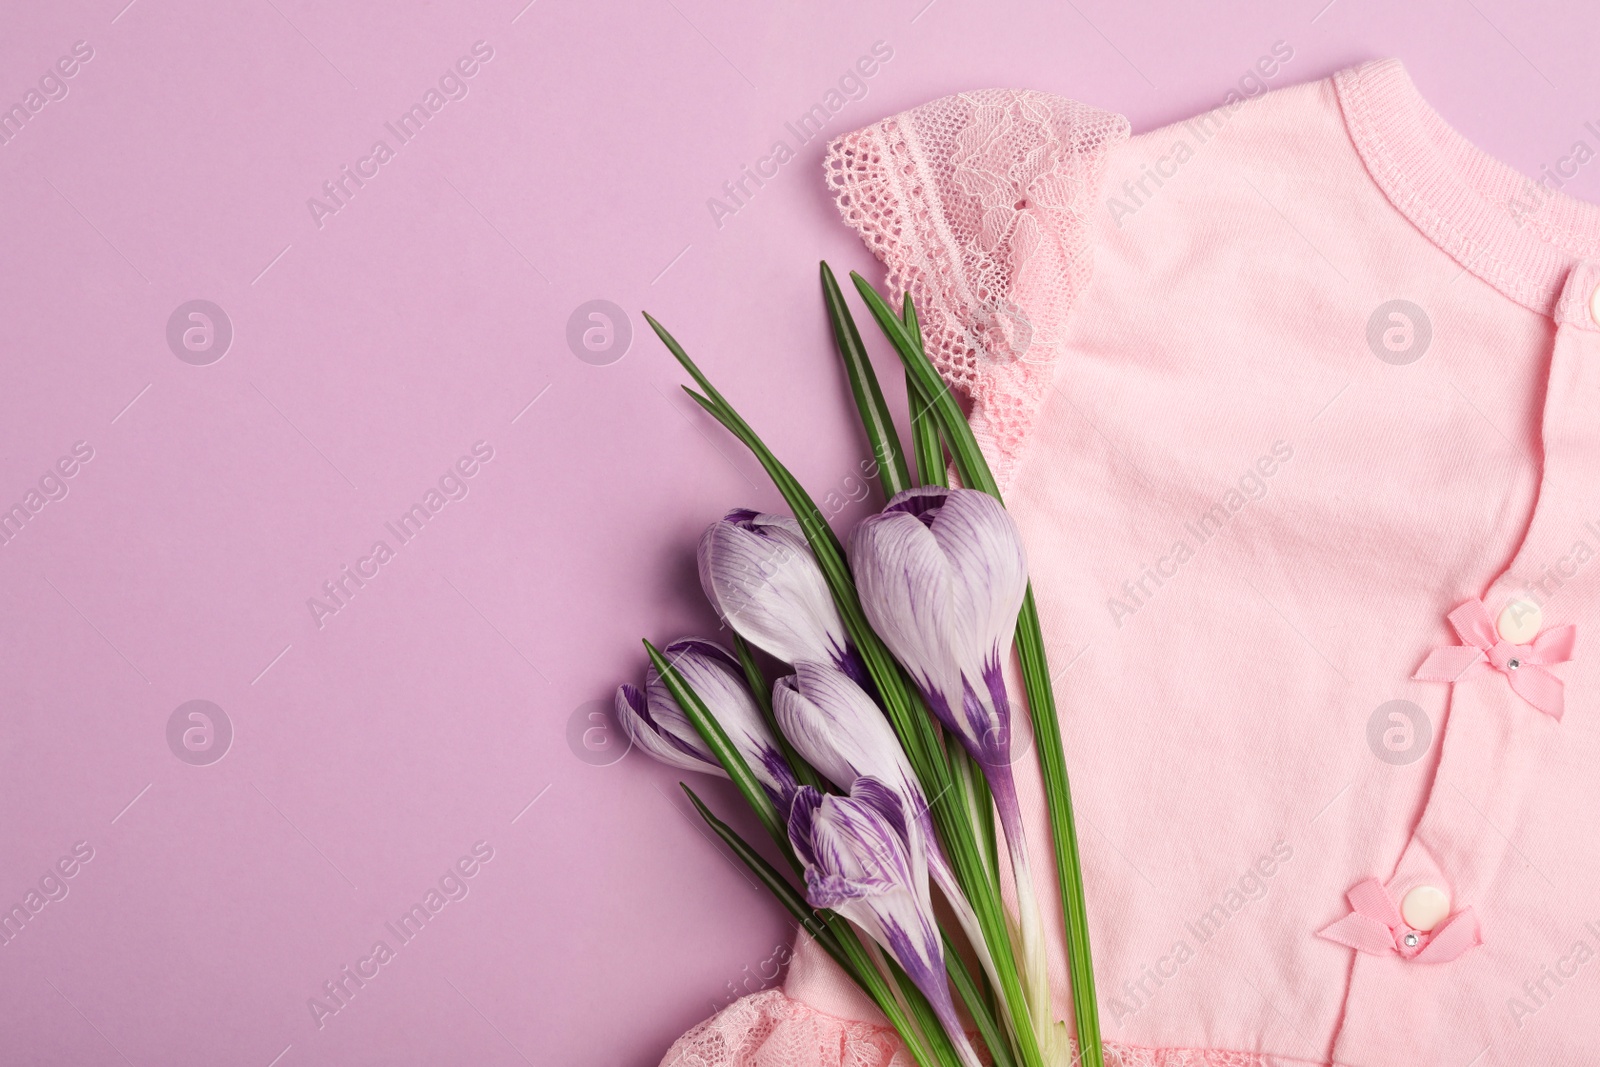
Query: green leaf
point(1063, 827)
point(975, 472)
point(925, 442)
point(875, 417)
point(978, 1006)
point(814, 922)
point(957, 434)
point(753, 675)
point(974, 790)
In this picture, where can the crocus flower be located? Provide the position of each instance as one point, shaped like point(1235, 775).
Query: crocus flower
point(840, 730)
point(760, 575)
point(865, 860)
point(663, 733)
point(942, 576)
point(658, 726)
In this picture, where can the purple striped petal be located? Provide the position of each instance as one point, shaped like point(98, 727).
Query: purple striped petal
point(886, 802)
point(942, 577)
point(802, 819)
point(864, 859)
point(758, 572)
point(659, 726)
point(839, 729)
point(663, 733)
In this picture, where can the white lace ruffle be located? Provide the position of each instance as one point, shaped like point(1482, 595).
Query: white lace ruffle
point(978, 203)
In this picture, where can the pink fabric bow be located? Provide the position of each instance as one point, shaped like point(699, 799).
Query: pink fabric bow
point(1375, 926)
point(1523, 665)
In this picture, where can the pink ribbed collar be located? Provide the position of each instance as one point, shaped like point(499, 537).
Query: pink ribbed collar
point(1520, 237)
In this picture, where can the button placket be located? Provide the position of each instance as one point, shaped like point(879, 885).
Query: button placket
point(1492, 741)
point(1529, 597)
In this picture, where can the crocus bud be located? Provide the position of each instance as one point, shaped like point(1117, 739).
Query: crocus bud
point(658, 726)
point(760, 575)
point(663, 732)
point(942, 575)
point(866, 860)
point(841, 731)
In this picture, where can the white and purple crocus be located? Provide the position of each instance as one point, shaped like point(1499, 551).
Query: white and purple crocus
point(942, 577)
point(759, 573)
point(867, 860)
point(840, 731)
point(658, 726)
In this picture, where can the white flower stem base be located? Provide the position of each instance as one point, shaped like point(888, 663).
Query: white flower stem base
point(1035, 965)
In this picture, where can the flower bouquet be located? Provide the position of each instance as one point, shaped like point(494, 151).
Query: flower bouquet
point(883, 763)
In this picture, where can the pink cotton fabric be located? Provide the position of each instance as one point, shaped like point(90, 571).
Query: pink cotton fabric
point(1254, 488)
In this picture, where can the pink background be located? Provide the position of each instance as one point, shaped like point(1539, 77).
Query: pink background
point(437, 707)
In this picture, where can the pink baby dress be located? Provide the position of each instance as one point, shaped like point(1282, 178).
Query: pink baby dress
point(1297, 404)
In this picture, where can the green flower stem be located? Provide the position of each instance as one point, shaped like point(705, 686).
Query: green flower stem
point(980, 1005)
point(912, 723)
point(925, 442)
point(875, 417)
point(974, 790)
point(974, 471)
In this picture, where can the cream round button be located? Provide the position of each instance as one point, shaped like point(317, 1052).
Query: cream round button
point(1424, 907)
point(1594, 305)
point(1520, 621)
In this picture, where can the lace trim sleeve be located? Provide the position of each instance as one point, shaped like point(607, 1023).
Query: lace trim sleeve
point(978, 203)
